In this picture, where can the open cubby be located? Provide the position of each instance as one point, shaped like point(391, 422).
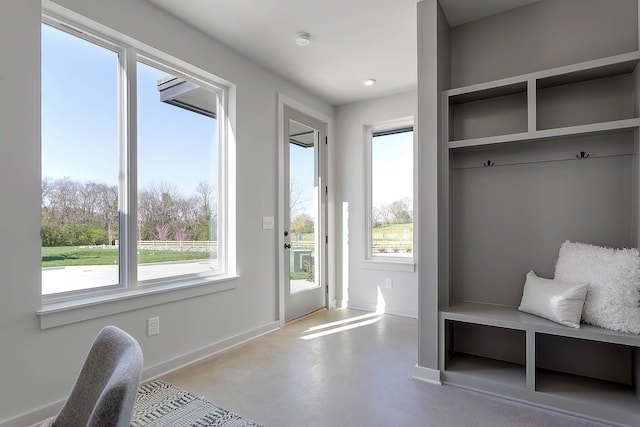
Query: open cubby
point(486, 353)
point(593, 101)
point(580, 373)
point(586, 358)
point(495, 116)
point(592, 397)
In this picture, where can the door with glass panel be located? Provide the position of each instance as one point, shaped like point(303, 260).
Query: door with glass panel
point(304, 215)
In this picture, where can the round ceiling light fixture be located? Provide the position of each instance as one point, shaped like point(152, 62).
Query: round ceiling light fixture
point(369, 82)
point(302, 39)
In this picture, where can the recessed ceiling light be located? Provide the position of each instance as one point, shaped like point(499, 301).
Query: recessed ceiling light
point(302, 39)
point(369, 82)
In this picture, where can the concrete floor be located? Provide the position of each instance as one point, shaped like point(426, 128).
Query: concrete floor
point(346, 368)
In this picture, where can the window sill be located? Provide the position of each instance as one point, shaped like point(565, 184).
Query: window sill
point(67, 312)
point(406, 265)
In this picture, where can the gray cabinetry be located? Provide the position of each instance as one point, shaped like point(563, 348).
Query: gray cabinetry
point(529, 162)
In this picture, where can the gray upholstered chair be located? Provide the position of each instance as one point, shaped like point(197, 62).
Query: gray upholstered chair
point(105, 391)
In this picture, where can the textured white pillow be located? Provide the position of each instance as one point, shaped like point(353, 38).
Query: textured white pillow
point(613, 275)
point(553, 300)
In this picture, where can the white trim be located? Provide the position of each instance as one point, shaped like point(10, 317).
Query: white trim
point(396, 264)
point(374, 308)
point(279, 207)
point(35, 417)
point(128, 172)
point(57, 12)
point(427, 375)
point(284, 100)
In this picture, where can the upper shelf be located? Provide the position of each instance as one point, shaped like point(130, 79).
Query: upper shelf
point(579, 99)
point(589, 70)
point(590, 129)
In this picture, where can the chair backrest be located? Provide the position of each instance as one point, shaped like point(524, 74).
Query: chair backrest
point(106, 389)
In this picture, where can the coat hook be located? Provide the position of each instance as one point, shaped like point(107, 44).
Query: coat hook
point(583, 155)
point(488, 163)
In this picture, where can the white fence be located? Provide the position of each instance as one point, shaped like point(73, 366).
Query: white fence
point(204, 244)
point(302, 244)
point(180, 243)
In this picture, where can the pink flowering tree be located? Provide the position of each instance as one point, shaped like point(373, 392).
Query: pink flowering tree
point(180, 233)
point(163, 232)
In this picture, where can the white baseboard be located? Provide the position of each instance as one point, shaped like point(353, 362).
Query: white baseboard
point(186, 359)
point(388, 310)
point(427, 375)
point(36, 416)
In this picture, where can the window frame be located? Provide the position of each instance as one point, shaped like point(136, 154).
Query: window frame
point(373, 261)
point(55, 308)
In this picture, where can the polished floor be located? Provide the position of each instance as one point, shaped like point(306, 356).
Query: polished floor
point(346, 368)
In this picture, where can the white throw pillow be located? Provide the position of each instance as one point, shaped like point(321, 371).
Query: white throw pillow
point(613, 275)
point(553, 300)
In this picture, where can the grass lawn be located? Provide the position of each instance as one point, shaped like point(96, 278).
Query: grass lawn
point(392, 238)
point(72, 255)
point(393, 232)
point(393, 229)
point(297, 275)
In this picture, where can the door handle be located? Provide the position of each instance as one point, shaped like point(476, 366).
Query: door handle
point(287, 245)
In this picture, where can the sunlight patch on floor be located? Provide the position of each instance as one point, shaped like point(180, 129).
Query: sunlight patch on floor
point(342, 328)
point(347, 324)
point(341, 322)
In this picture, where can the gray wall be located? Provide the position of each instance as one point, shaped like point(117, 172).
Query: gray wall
point(543, 35)
point(357, 285)
point(39, 366)
point(513, 217)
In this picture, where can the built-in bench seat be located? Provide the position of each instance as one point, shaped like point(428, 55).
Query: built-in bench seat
point(497, 349)
point(512, 318)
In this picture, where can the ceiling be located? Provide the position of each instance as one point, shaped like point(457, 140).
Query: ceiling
point(351, 40)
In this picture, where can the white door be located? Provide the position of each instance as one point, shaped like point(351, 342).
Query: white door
point(304, 207)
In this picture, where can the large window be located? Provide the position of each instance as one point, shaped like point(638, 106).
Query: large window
point(132, 159)
point(390, 195)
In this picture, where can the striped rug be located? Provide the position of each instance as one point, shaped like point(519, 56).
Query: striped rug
point(163, 404)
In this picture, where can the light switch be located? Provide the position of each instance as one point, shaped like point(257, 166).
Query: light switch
point(268, 223)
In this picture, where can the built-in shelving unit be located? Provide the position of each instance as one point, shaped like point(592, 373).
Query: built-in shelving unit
point(556, 103)
point(531, 161)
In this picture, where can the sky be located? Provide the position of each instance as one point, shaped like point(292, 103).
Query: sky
point(301, 175)
point(175, 146)
point(392, 168)
point(80, 121)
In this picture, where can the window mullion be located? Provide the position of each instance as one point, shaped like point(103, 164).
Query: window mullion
point(128, 171)
point(226, 222)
